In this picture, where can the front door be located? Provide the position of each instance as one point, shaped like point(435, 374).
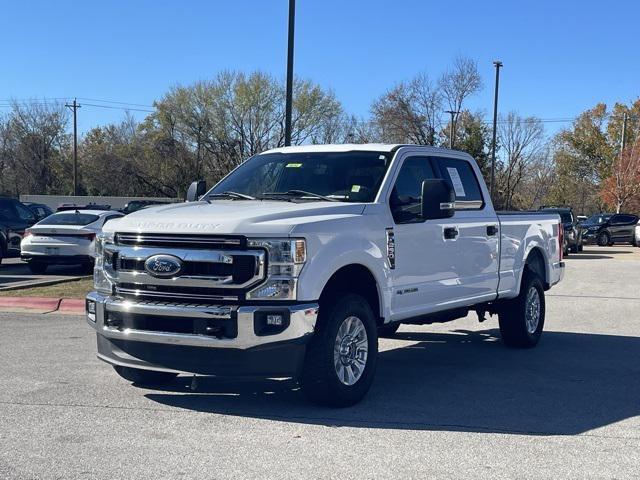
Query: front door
point(425, 274)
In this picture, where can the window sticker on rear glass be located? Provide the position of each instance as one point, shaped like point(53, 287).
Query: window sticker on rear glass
point(456, 181)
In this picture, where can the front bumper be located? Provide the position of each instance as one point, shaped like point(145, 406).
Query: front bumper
point(248, 353)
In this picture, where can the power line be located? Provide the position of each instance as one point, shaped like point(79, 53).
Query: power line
point(113, 101)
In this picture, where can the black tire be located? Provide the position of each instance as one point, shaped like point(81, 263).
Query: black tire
point(574, 248)
point(144, 377)
point(86, 268)
point(37, 268)
point(319, 379)
point(581, 248)
point(1, 253)
point(513, 315)
point(604, 239)
point(388, 330)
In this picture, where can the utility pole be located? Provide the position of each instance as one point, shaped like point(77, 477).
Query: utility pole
point(451, 129)
point(624, 131)
point(74, 108)
point(497, 64)
point(289, 93)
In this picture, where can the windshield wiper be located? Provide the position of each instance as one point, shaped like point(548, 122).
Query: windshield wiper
point(300, 193)
point(229, 194)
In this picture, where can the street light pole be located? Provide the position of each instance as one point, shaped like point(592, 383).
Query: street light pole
point(497, 64)
point(451, 129)
point(74, 108)
point(289, 93)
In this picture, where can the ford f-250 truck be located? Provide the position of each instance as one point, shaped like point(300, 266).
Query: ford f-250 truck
point(295, 263)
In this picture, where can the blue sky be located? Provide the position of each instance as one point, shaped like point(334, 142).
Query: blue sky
point(560, 57)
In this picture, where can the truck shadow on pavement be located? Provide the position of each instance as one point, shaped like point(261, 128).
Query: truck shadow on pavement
point(456, 381)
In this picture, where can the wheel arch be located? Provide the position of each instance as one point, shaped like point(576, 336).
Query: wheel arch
point(536, 262)
point(355, 278)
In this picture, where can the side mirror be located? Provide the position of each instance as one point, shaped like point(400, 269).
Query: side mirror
point(196, 190)
point(438, 199)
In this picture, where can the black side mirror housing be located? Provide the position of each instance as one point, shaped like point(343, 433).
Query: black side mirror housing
point(196, 190)
point(438, 199)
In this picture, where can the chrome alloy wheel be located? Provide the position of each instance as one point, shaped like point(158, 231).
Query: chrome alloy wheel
point(532, 310)
point(350, 350)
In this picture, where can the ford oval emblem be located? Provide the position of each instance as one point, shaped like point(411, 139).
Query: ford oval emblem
point(163, 266)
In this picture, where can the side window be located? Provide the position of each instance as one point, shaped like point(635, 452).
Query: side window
point(24, 213)
point(406, 196)
point(462, 178)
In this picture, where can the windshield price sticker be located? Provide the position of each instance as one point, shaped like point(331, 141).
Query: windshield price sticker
point(456, 181)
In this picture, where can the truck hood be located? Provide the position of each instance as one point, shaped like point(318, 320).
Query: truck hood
point(242, 217)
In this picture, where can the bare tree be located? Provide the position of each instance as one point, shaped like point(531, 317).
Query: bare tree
point(409, 112)
point(522, 143)
point(458, 83)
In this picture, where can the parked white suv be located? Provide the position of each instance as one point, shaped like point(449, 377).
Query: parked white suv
point(295, 262)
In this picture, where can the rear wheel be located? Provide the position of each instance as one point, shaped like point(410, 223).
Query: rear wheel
point(575, 248)
point(522, 319)
point(388, 330)
point(37, 268)
point(340, 362)
point(144, 377)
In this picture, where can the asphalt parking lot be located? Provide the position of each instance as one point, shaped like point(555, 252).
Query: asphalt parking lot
point(14, 273)
point(449, 401)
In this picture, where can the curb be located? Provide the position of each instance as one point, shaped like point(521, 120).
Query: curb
point(65, 306)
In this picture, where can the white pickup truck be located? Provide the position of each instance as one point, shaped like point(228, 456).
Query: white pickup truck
point(295, 263)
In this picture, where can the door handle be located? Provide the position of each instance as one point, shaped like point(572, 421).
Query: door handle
point(492, 230)
point(450, 233)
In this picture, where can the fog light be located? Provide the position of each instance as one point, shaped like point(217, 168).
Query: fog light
point(270, 322)
point(91, 306)
point(276, 320)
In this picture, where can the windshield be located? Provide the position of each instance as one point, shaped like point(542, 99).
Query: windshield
point(565, 215)
point(341, 176)
point(70, 219)
point(596, 219)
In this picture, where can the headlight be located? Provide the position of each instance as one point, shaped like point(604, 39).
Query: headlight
point(286, 258)
point(101, 281)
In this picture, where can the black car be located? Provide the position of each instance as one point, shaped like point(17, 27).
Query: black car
point(40, 210)
point(614, 228)
point(572, 232)
point(135, 205)
point(15, 218)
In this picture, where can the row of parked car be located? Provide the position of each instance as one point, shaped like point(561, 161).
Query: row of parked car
point(42, 237)
point(603, 229)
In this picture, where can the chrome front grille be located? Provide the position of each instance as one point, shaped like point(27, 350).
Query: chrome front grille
point(208, 274)
point(195, 241)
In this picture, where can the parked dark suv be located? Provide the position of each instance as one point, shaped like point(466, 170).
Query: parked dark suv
point(617, 228)
point(572, 232)
point(15, 218)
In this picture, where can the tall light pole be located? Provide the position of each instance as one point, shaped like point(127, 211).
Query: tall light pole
point(497, 64)
point(289, 93)
point(74, 108)
point(451, 129)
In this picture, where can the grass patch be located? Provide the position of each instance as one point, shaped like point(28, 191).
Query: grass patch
point(73, 289)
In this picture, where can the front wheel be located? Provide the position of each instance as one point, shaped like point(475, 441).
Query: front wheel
point(144, 377)
point(522, 319)
point(341, 357)
point(604, 239)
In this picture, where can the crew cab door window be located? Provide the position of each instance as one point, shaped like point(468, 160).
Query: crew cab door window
point(463, 180)
point(406, 196)
point(25, 214)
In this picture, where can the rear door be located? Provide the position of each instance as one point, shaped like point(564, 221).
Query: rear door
point(476, 247)
point(622, 227)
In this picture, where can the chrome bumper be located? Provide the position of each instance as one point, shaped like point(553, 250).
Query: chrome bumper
point(302, 322)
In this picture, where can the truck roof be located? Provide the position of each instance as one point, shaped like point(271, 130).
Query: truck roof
point(350, 147)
